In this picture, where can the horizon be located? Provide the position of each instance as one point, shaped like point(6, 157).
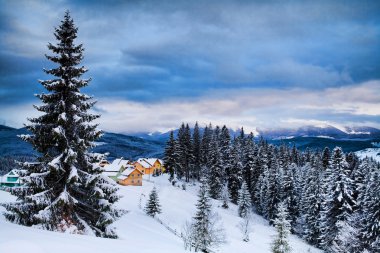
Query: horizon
point(246, 64)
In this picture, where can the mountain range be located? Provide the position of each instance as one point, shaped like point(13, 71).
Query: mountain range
point(152, 144)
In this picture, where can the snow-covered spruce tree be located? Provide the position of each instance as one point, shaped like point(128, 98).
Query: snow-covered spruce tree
point(170, 158)
point(205, 231)
point(225, 152)
point(234, 176)
point(225, 197)
point(153, 205)
point(215, 177)
point(196, 152)
point(339, 200)
point(244, 201)
point(64, 190)
point(282, 225)
point(311, 200)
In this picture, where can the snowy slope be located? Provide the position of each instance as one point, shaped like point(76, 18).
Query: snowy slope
point(140, 233)
point(369, 152)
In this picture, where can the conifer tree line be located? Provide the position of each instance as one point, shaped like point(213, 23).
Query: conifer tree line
point(330, 198)
point(64, 189)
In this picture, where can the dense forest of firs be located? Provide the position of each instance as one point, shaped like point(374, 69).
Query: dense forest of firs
point(332, 198)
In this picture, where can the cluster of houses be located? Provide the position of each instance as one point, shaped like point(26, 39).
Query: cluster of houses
point(126, 172)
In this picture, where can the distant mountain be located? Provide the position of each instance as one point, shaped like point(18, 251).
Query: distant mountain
point(117, 145)
point(322, 132)
point(153, 144)
point(315, 137)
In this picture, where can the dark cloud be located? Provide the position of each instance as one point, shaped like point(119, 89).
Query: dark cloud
point(157, 51)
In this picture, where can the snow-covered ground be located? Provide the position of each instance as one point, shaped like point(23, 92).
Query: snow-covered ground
point(369, 152)
point(140, 233)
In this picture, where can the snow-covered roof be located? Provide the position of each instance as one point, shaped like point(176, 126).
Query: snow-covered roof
point(144, 163)
point(151, 160)
point(115, 166)
point(148, 162)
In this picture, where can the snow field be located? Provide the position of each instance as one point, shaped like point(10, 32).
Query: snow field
point(141, 233)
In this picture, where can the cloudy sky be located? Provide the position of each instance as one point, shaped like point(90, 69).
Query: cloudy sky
point(155, 64)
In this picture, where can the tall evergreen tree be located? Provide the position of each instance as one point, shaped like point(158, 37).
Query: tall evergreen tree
point(225, 151)
point(326, 158)
point(170, 158)
point(153, 206)
point(339, 202)
point(197, 151)
point(206, 232)
point(282, 225)
point(235, 174)
point(215, 177)
point(64, 190)
point(244, 202)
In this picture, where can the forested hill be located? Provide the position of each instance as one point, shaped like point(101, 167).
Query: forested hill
point(117, 145)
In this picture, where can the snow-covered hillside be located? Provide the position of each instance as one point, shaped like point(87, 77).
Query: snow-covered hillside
point(369, 152)
point(140, 233)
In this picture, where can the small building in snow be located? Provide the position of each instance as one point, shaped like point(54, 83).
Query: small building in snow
point(114, 169)
point(149, 165)
point(11, 179)
point(130, 176)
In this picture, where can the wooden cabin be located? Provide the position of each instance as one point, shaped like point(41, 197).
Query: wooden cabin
point(149, 165)
point(130, 176)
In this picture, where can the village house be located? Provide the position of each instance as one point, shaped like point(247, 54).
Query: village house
point(11, 179)
point(114, 169)
point(149, 165)
point(130, 176)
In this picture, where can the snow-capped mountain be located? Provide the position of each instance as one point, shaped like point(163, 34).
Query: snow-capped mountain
point(324, 131)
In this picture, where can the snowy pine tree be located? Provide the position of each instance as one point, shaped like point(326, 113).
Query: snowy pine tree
point(196, 152)
point(244, 202)
point(153, 207)
point(215, 177)
point(225, 197)
point(234, 176)
point(282, 225)
point(65, 190)
point(206, 231)
point(170, 158)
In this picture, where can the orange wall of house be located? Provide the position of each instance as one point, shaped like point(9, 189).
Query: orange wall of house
point(139, 167)
point(135, 178)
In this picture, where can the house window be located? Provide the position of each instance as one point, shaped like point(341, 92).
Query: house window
point(133, 175)
point(138, 181)
point(138, 175)
point(142, 171)
point(133, 181)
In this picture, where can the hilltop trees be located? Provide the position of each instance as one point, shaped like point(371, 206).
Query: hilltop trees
point(64, 189)
point(329, 197)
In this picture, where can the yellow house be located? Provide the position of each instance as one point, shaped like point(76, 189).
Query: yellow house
point(130, 176)
point(149, 165)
